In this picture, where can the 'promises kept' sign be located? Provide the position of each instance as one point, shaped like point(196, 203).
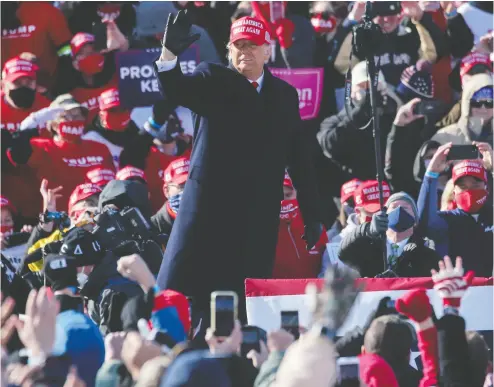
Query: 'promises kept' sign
point(137, 83)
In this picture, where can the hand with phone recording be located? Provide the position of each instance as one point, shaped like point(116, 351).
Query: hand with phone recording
point(407, 113)
point(439, 162)
point(485, 150)
point(225, 345)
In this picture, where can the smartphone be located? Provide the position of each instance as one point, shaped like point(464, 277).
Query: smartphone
point(289, 322)
point(426, 107)
point(463, 152)
point(250, 340)
point(348, 371)
point(224, 306)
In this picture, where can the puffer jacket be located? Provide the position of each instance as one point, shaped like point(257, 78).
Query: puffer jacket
point(292, 258)
point(459, 133)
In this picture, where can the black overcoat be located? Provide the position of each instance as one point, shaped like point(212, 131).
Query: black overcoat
point(227, 226)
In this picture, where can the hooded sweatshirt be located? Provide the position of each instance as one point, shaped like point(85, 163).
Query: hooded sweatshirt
point(458, 133)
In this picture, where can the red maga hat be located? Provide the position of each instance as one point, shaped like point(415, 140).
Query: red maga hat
point(177, 171)
point(16, 68)
point(80, 40)
point(251, 29)
point(82, 192)
point(348, 189)
point(367, 195)
point(473, 168)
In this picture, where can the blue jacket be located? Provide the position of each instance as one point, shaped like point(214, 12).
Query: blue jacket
point(77, 336)
point(457, 233)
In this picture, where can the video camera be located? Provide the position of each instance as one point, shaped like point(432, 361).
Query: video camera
point(61, 219)
point(121, 231)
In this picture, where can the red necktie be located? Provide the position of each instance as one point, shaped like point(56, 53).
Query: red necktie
point(255, 84)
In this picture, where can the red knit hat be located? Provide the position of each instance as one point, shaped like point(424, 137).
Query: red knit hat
point(376, 372)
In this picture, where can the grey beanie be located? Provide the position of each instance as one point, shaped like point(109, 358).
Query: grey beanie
point(407, 198)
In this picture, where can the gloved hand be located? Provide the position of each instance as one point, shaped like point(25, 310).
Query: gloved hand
point(177, 36)
point(168, 131)
point(450, 283)
point(39, 118)
point(415, 304)
point(284, 31)
point(379, 223)
point(312, 233)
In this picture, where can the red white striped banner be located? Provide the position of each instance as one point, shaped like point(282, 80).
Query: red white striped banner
point(267, 298)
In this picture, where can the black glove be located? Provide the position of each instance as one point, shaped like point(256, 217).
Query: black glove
point(177, 36)
point(312, 233)
point(379, 224)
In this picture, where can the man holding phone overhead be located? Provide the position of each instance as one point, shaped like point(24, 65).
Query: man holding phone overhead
point(247, 130)
point(466, 231)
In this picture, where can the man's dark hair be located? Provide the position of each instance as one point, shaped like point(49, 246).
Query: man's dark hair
point(391, 338)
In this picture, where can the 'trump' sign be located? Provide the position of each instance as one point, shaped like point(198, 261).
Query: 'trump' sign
point(309, 85)
point(137, 83)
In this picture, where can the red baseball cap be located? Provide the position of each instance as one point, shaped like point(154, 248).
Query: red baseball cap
point(16, 68)
point(473, 59)
point(251, 29)
point(177, 171)
point(473, 168)
point(348, 189)
point(100, 176)
point(367, 195)
point(130, 172)
point(82, 192)
point(79, 40)
point(6, 203)
point(109, 99)
point(287, 181)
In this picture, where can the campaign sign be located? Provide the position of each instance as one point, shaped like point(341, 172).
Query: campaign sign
point(137, 83)
point(308, 82)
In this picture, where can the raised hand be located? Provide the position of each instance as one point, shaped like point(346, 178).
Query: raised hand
point(439, 161)
point(134, 268)
point(222, 345)
point(8, 320)
point(50, 196)
point(450, 283)
point(177, 36)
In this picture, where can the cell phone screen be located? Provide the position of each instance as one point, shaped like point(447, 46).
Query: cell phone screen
point(348, 369)
point(289, 322)
point(250, 337)
point(463, 152)
point(225, 315)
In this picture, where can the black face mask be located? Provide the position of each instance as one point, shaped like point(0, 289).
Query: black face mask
point(23, 97)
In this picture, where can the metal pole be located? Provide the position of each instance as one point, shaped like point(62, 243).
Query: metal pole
point(376, 131)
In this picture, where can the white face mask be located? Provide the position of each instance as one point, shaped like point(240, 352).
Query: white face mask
point(82, 278)
point(476, 124)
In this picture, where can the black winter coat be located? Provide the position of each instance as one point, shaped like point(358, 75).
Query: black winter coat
point(364, 253)
point(163, 221)
point(226, 230)
point(349, 146)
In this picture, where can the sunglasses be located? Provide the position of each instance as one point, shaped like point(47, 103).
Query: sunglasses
point(488, 104)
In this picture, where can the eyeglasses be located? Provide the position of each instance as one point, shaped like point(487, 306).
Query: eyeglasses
point(488, 104)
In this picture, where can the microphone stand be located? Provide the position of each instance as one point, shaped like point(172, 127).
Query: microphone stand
point(366, 40)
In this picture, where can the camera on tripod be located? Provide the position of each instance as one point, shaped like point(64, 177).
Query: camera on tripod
point(120, 231)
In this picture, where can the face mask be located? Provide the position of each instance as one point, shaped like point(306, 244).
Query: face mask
point(471, 200)
point(323, 25)
point(117, 121)
point(92, 64)
point(71, 131)
point(400, 220)
point(6, 229)
point(174, 202)
point(288, 210)
point(476, 124)
point(23, 97)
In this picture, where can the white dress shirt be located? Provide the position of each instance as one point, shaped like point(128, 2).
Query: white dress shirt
point(167, 65)
point(399, 251)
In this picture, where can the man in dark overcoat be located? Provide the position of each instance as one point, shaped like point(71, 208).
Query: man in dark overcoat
point(247, 130)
